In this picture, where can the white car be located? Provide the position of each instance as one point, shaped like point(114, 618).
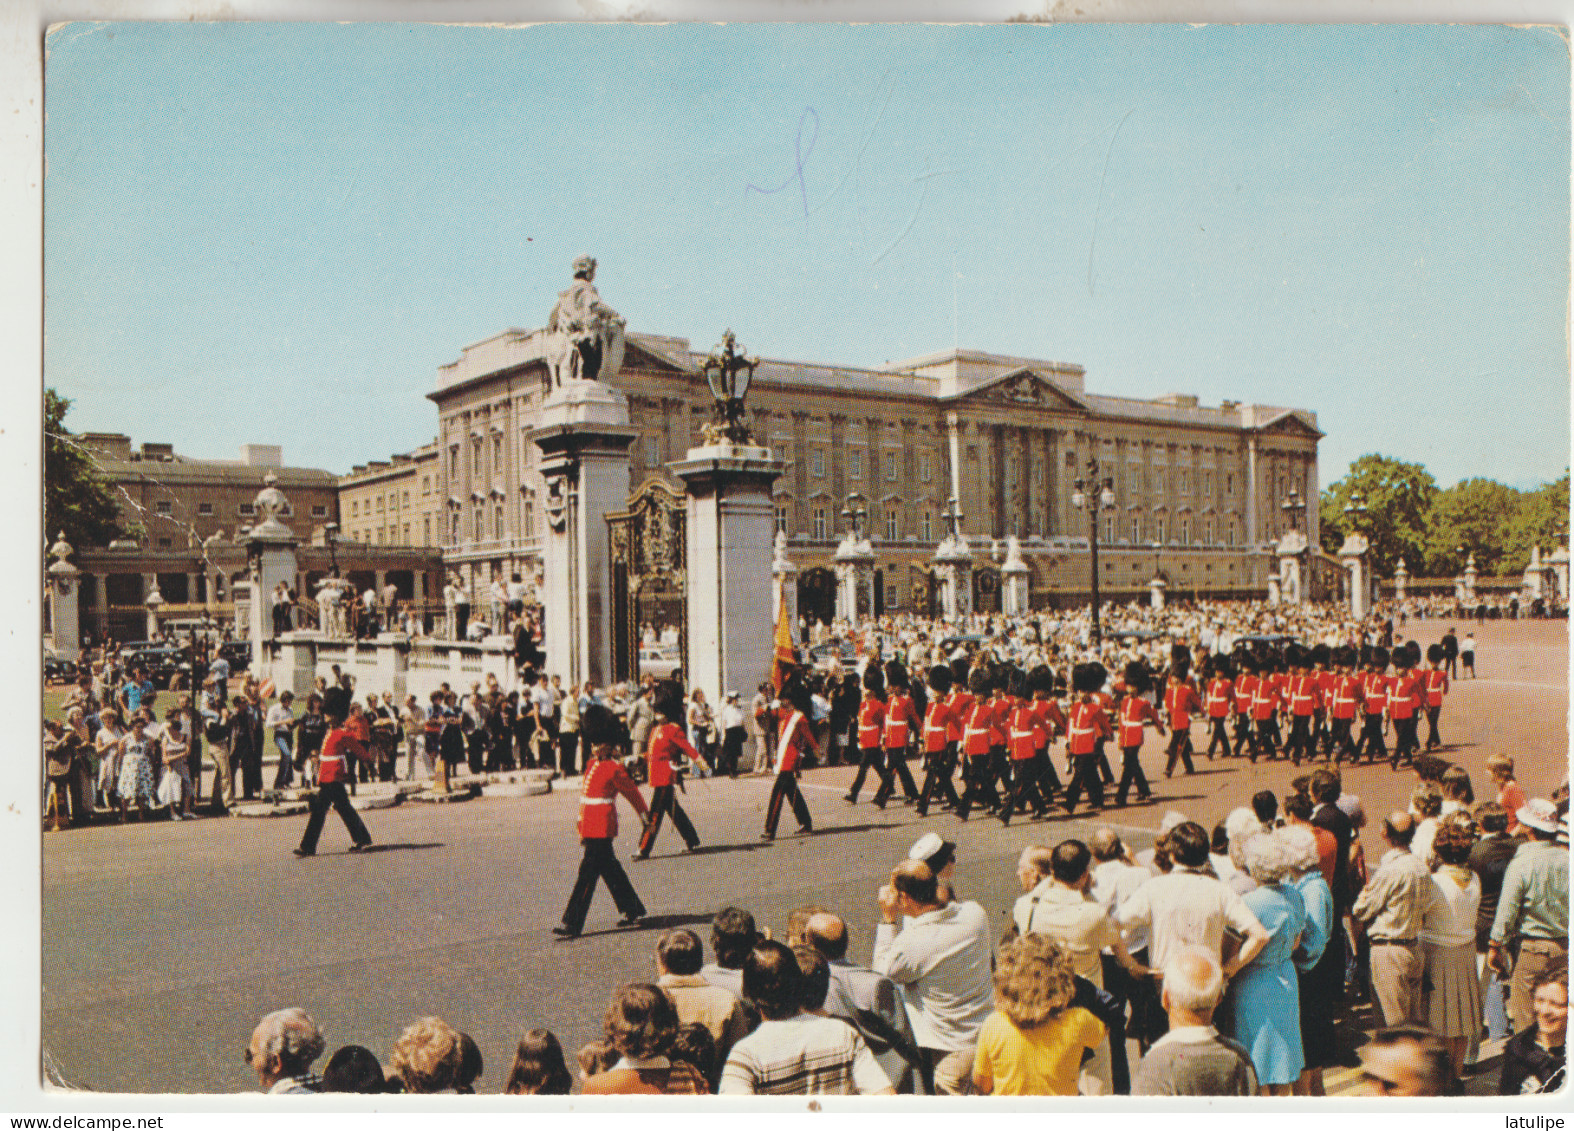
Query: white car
point(659, 662)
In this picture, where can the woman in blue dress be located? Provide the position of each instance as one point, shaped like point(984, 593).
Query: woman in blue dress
point(1319, 960)
point(1267, 1015)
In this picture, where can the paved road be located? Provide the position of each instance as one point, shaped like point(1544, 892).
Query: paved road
point(164, 943)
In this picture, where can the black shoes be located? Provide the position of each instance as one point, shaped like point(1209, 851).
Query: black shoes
point(631, 920)
point(361, 847)
point(303, 852)
point(565, 932)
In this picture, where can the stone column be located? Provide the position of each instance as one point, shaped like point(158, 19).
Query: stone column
point(271, 549)
point(65, 595)
point(1014, 580)
point(1292, 587)
point(584, 436)
point(1251, 491)
point(1470, 578)
point(731, 620)
point(1401, 579)
point(1275, 592)
point(154, 601)
point(854, 564)
point(297, 662)
point(1353, 552)
point(784, 585)
point(1156, 587)
point(393, 663)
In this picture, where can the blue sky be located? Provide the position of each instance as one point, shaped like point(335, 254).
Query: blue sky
point(277, 233)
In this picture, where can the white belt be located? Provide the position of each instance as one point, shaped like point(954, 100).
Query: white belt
point(1077, 731)
point(971, 731)
point(330, 758)
point(595, 801)
point(1021, 734)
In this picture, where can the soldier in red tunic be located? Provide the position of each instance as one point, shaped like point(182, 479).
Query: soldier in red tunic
point(1180, 700)
point(796, 739)
point(1086, 723)
point(901, 721)
point(1374, 692)
point(981, 733)
point(1436, 688)
point(1024, 733)
point(1135, 712)
point(604, 778)
point(1406, 699)
point(1219, 703)
point(1304, 698)
point(871, 729)
point(1342, 705)
point(332, 774)
point(666, 742)
point(939, 753)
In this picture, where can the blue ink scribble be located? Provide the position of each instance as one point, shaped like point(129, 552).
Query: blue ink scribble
point(801, 155)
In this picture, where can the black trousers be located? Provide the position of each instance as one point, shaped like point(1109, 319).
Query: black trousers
point(1025, 791)
point(1433, 739)
point(568, 749)
point(978, 772)
point(937, 780)
point(1219, 738)
point(333, 793)
point(869, 758)
point(1372, 744)
point(475, 747)
point(664, 800)
point(1085, 776)
point(1048, 780)
point(732, 741)
point(1131, 774)
point(600, 862)
point(786, 788)
point(1262, 740)
point(1300, 743)
point(1243, 732)
point(1179, 751)
point(1405, 742)
point(1106, 774)
point(1339, 738)
point(895, 771)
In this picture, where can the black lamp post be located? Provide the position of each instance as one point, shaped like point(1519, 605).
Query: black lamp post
point(331, 534)
point(1099, 496)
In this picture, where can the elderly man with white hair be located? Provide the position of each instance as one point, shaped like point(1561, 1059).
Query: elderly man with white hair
point(1194, 1058)
point(281, 1051)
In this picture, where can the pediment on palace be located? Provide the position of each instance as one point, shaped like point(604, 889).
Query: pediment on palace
point(1291, 423)
point(1025, 388)
point(638, 355)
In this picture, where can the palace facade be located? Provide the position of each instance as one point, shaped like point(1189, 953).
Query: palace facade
point(1200, 490)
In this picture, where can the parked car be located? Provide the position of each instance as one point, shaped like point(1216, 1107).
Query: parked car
point(160, 661)
point(58, 669)
point(237, 653)
point(659, 662)
point(820, 655)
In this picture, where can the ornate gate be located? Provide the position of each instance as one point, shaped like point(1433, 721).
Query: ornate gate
point(986, 589)
point(649, 571)
point(817, 595)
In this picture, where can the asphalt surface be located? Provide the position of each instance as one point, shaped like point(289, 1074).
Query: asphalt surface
point(164, 943)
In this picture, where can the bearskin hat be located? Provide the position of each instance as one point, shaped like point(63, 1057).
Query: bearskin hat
point(1137, 678)
point(1380, 657)
point(1434, 653)
point(1041, 679)
point(940, 679)
point(1322, 654)
point(336, 702)
point(874, 680)
point(1088, 677)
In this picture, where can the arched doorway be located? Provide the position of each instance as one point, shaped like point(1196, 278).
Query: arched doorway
point(986, 590)
point(817, 595)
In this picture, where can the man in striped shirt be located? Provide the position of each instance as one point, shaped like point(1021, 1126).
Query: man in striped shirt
point(797, 1050)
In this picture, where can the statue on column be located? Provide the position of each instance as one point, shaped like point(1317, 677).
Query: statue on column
point(584, 335)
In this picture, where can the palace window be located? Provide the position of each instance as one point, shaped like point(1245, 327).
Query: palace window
point(477, 529)
point(406, 498)
point(1207, 482)
point(1229, 533)
point(1109, 528)
point(497, 521)
point(1158, 530)
point(163, 543)
point(426, 485)
point(926, 468)
point(781, 520)
point(928, 526)
point(407, 534)
point(164, 506)
point(477, 468)
point(819, 524)
point(890, 467)
point(426, 531)
point(379, 504)
point(1208, 532)
point(1185, 483)
point(246, 510)
point(1158, 480)
point(1011, 471)
point(453, 463)
point(1136, 529)
point(355, 507)
point(380, 531)
point(1185, 532)
point(453, 527)
point(855, 464)
point(318, 511)
point(497, 453)
point(890, 525)
point(207, 509)
point(530, 514)
point(652, 451)
point(817, 463)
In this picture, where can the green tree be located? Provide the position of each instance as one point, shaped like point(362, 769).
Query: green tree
point(1541, 519)
point(1469, 518)
point(1398, 499)
point(77, 500)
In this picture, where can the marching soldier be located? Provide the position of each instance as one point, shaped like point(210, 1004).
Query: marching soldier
point(1436, 688)
point(1085, 725)
point(980, 736)
point(1265, 704)
point(667, 742)
point(901, 718)
point(1219, 703)
point(1245, 692)
point(939, 752)
point(1025, 736)
point(1303, 697)
point(871, 724)
point(1374, 695)
point(1180, 700)
point(1045, 688)
point(332, 773)
point(1347, 694)
point(604, 778)
point(1136, 712)
point(1406, 698)
point(795, 739)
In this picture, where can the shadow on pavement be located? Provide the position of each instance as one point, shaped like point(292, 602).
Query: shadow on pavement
point(400, 847)
point(651, 923)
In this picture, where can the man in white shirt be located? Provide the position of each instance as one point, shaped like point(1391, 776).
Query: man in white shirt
point(279, 723)
point(795, 1051)
point(1188, 906)
point(942, 960)
point(733, 734)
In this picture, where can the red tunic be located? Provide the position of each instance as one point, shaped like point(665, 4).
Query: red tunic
point(871, 720)
point(1134, 712)
point(1050, 714)
point(666, 742)
point(1265, 700)
point(1347, 693)
point(1405, 695)
point(1303, 696)
point(604, 779)
point(1026, 735)
point(795, 738)
point(961, 703)
point(1436, 687)
point(330, 763)
point(978, 735)
point(1180, 700)
point(1374, 687)
point(937, 726)
point(1245, 692)
point(1087, 723)
point(1221, 692)
point(900, 717)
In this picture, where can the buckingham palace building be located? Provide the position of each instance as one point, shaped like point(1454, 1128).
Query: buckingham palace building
point(1202, 492)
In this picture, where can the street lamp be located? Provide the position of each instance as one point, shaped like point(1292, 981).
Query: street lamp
point(331, 536)
point(1099, 495)
point(1355, 511)
point(1294, 508)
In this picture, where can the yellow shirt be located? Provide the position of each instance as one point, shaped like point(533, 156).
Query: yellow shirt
point(1043, 1061)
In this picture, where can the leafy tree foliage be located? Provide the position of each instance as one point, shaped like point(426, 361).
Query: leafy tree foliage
point(1540, 519)
point(1398, 497)
point(1469, 518)
point(77, 500)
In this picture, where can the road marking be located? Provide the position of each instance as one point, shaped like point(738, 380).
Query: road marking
point(1459, 683)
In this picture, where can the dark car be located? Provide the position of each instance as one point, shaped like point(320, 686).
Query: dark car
point(821, 654)
point(237, 653)
point(160, 661)
point(58, 669)
point(971, 642)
